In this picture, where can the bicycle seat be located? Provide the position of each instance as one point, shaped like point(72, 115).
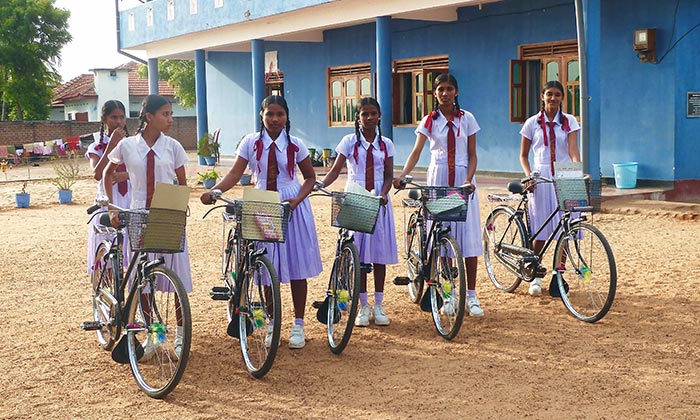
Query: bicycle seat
point(414, 194)
point(516, 187)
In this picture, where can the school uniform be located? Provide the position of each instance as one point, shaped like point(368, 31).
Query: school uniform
point(169, 155)
point(379, 247)
point(467, 234)
point(544, 200)
point(98, 148)
point(298, 257)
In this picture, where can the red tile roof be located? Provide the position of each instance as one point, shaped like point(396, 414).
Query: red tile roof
point(83, 86)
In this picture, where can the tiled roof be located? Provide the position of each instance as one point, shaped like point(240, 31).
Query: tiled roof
point(83, 86)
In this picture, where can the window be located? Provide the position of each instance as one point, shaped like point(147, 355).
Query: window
point(130, 22)
point(346, 86)
point(413, 87)
point(149, 16)
point(538, 64)
point(218, 3)
point(193, 7)
point(171, 10)
point(274, 83)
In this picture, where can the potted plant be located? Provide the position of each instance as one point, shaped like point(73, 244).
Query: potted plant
point(208, 178)
point(22, 198)
point(208, 148)
point(203, 149)
point(67, 172)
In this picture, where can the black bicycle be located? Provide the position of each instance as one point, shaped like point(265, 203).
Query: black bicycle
point(433, 256)
point(584, 264)
point(250, 283)
point(145, 307)
point(349, 212)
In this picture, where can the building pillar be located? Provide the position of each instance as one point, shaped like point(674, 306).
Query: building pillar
point(200, 88)
point(591, 25)
point(384, 73)
point(152, 76)
point(258, 63)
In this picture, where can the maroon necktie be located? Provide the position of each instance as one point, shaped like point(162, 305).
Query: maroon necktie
point(272, 169)
point(369, 169)
point(552, 145)
point(122, 186)
point(150, 177)
point(451, 145)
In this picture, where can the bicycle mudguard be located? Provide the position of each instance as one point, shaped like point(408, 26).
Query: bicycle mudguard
point(233, 329)
point(322, 313)
point(120, 353)
point(426, 301)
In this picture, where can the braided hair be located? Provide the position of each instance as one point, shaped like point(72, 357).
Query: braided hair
point(276, 100)
point(554, 84)
point(363, 102)
point(150, 105)
point(442, 78)
point(107, 108)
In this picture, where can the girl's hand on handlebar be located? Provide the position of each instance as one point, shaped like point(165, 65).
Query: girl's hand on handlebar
point(398, 183)
point(206, 198)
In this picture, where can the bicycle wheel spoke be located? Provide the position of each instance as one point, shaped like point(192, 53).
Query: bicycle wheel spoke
point(103, 302)
point(414, 233)
point(448, 288)
point(343, 298)
point(502, 265)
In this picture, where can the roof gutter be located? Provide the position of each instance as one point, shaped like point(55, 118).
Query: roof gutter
point(119, 47)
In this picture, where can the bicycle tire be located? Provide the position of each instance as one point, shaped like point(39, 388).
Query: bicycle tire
point(448, 287)
point(104, 303)
point(257, 314)
point(501, 265)
point(414, 265)
point(342, 310)
point(231, 258)
point(590, 273)
point(153, 320)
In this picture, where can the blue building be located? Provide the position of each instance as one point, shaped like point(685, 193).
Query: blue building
point(640, 62)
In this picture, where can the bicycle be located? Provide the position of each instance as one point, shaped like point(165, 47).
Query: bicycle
point(580, 246)
point(147, 303)
point(432, 254)
point(250, 283)
point(349, 212)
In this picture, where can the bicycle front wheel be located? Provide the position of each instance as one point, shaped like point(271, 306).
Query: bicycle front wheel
point(159, 332)
point(260, 316)
point(502, 265)
point(588, 279)
point(104, 304)
point(343, 298)
point(414, 266)
point(448, 288)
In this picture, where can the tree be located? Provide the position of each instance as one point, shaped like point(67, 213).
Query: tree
point(180, 75)
point(32, 33)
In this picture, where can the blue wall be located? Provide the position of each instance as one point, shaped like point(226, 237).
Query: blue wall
point(642, 105)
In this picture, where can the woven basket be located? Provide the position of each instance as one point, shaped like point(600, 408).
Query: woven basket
point(446, 204)
point(357, 212)
point(264, 221)
point(157, 230)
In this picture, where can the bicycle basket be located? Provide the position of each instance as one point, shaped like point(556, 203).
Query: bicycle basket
point(264, 221)
point(356, 212)
point(572, 193)
point(157, 230)
point(446, 204)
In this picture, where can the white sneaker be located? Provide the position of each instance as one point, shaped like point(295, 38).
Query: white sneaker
point(268, 337)
point(535, 288)
point(149, 349)
point(178, 347)
point(449, 306)
point(474, 307)
point(297, 340)
point(362, 319)
point(379, 315)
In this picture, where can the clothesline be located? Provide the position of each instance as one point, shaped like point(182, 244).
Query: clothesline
point(42, 150)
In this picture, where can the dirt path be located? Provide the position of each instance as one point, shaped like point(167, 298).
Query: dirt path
point(527, 358)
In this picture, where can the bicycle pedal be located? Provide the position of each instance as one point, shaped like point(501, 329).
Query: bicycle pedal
point(402, 281)
point(220, 293)
point(366, 267)
point(91, 325)
point(316, 304)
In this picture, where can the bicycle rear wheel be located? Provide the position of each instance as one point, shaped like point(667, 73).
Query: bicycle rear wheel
point(343, 298)
point(104, 304)
point(412, 244)
point(260, 316)
point(502, 266)
point(448, 289)
point(158, 352)
point(590, 273)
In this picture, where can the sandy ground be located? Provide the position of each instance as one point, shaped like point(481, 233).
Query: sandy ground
point(527, 358)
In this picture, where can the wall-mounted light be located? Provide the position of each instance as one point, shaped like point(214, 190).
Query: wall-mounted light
point(645, 45)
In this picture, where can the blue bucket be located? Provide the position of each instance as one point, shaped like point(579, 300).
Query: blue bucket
point(625, 174)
